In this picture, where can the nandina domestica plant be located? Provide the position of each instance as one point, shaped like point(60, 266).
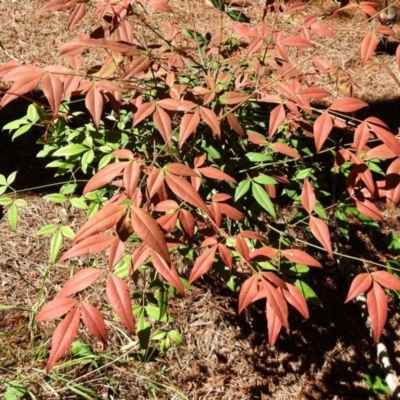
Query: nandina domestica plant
point(216, 134)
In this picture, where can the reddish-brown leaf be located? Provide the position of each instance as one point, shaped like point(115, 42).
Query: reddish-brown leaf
point(301, 257)
point(180, 169)
point(166, 205)
point(52, 88)
point(188, 125)
point(138, 65)
point(361, 136)
point(214, 173)
point(377, 309)
point(139, 256)
point(276, 117)
point(234, 123)
point(230, 211)
point(322, 128)
point(117, 250)
point(226, 255)
point(233, 98)
point(242, 248)
point(369, 209)
point(387, 137)
point(283, 148)
point(160, 5)
point(131, 177)
point(76, 15)
point(187, 223)
point(111, 45)
point(248, 292)
point(313, 92)
point(94, 321)
point(168, 221)
point(80, 281)
point(381, 151)
point(143, 112)
point(123, 153)
point(348, 105)
point(55, 309)
point(203, 263)
point(183, 189)
point(169, 273)
point(393, 183)
point(63, 336)
point(209, 117)
point(274, 324)
point(294, 297)
point(361, 284)
point(308, 199)
point(149, 231)
point(162, 121)
point(91, 245)
point(273, 278)
point(368, 47)
point(386, 279)
point(106, 218)
point(120, 300)
point(262, 252)
point(155, 181)
point(94, 102)
point(220, 197)
point(105, 175)
point(296, 41)
point(276, 301)
point(321, 232)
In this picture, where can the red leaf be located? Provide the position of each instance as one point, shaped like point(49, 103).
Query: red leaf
point(76, 15)
point(313, 92)
point(276, 301)
point(381, 151)
point(369, 209)
point(211, 120)
point(242, 248)
point(274, 324)
point(273, 278)
point(248, 292)
point(214, 173)
point(296, 41)
point(187, 223)
point(91, 245)
point(301, 257)
point(180, 169)
point(149, 231)
point(387, 137)
point(138, 65)
point(168, 221)
point(386, 279)
point(220, 197)
point(155, 181)
point(348, 105)
point(139, 256)
point(230, 211)
point(308, 199)
point(233, 98)
point(361, 136)
point(105, 175)
point(52, 88)
point(226, 255)
point(120, 300)
point(393, 183)
point(80, 281)
point(55, 309)
point(94, 102)
point(144, 110)
point(276, 117)
point(203, 263)
point(94, 321)
point(162, 121)
point(234, 123)
point(169, 273)
point(377, 309)
point(160, 5)
point(183, 189)
point(188, 125)
point(105, 219)
point(263, 252)
point(285, 149)
point(123, 153)
point(368, 47)
point(252, 235)
point(361, 284)
point(294, 297)
point(321, 232)
point(322, 128)
point(63, 336)
point(117, 250)
point(131, 177)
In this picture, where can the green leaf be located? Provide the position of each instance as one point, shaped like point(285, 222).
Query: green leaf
point(15, 124)
point(238, 16)
point(11, 178)
point(15, 391)
point(162, 302)
point(241, 189)
point(262, 198)
point(154, 312)
point(105, 160)
point(55, 246)
point(158, 335)
point(375, 381)
point(21, 203)
point(80, 349)
point(265, 180)
point(3, 181)
point(175, 336)
point(79, 202)
point(70, 150)
point(20, 131)
point(33, 114)
point(198, 37)
point(67, 232)
point(5, 201)
point(258, 157)
point(308, 293)
point(13, 216)
point(50, 228)
point(304, 173)
point(87, 158)
point(55, 198)
point(2, 189)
